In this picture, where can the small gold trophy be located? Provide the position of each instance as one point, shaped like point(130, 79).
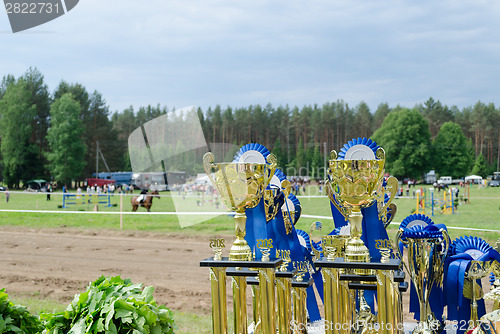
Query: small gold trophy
point(472, 290)
point(241, 186)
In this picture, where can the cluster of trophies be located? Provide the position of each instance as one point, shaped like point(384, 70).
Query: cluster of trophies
point(356, 270)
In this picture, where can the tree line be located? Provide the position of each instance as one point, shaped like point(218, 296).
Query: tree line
point(54, 135)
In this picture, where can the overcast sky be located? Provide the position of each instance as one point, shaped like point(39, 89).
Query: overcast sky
point(237, 53)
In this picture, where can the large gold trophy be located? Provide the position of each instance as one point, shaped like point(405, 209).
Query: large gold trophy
point(353, 185)
point(241, 186)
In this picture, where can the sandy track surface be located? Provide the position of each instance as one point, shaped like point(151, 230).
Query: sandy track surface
point(60, 263)
point(57, 264)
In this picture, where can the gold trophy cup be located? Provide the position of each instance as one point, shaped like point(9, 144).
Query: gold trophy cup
point(425, 267)
point(353, 185)
point(241, 186)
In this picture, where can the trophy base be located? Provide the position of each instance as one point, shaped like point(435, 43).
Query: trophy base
point(356, 251)
point(240, 251)
point(428, 326)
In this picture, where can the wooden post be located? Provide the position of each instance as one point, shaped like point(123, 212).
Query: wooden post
point(121, 211)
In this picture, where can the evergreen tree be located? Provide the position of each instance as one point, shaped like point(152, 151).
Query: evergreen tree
point(480, 168)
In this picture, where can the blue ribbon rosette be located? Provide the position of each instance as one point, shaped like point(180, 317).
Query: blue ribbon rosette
point(256, 217)
point(421, 226)
point(463, 251)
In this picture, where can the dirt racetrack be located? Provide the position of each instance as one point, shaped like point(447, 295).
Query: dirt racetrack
point(57, 264)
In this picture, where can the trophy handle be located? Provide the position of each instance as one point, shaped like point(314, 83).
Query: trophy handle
point(391, 186)
point(273, 163)
point(286, 185)
point(380, 154)
point(397, 250)
point(446, 241)
point(392, 209)
point(331, 196)
point(208, 164)
point(444, 252)
point(333, 155)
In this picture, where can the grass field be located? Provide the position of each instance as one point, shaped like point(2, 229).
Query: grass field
point(483, 212)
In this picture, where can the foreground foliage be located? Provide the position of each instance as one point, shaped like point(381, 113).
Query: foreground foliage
point(15, 318)
point(112, 305)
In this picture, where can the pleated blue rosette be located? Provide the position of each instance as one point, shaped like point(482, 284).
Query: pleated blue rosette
point(256, 217)
point(416, 219)
point(297, 207)
point(252, 153)
point(358, 149)
point(304, 239)
point(463, 251)
point(421, 226)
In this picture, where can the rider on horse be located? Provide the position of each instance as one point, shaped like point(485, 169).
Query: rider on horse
point(142, 196)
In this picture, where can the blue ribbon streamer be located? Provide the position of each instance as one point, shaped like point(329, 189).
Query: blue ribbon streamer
point(455, 269)
point(256, 227)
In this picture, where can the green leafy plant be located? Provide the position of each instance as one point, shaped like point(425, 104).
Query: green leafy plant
point(16, 319)
point(112, 305)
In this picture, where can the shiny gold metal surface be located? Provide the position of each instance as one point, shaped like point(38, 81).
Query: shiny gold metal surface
point(284, 254)
point(386, 298)
point(267, 300)
point(477, 270)
point(495, 293)
point(219, 308)
point(270, 207)
point(366, 322)
point(241, 186)
point(284, 293)
point(353, 185)
point(217, 246)
point(288, 219)
point(239, 286)
point(257, 329)
point(425, 267)
point(299, 296)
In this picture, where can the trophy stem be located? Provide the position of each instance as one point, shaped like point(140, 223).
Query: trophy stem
point(356, 251)
point(240, 251)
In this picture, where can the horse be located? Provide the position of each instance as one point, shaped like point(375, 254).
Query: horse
point(147, 202)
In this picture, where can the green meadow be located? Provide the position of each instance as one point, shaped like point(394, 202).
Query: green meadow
point(481, 211)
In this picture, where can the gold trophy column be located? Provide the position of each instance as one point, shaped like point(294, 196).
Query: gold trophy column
point(219, 308)
point(239, 285)
point(328, 297)
point(331, 289)
point(299, 312)
point(256, 309)
point(385, 300)
point(299, 296)
point(267, 300)
point(284, 292)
